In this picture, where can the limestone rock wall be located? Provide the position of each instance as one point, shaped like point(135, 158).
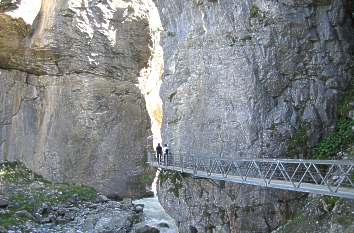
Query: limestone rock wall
point(241, 77)
point(246, 79)
point(207, 206)
point(70, 106)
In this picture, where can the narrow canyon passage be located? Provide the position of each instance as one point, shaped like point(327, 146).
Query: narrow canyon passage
point(89, 87)
point(78, 84)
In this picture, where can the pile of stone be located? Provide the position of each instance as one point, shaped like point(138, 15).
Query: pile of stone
point(103, 215)
point(30, 203)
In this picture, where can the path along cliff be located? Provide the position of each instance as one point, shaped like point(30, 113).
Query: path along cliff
point(249, 78)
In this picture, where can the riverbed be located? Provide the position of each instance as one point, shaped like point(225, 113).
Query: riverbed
point(154, 213)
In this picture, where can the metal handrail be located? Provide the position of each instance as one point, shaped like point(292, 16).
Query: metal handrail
point(329, 177)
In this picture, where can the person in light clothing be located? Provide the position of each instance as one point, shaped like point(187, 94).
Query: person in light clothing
point(165, 153)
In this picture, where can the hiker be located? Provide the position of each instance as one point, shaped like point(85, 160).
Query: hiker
point(159, 152)
point(165, 153)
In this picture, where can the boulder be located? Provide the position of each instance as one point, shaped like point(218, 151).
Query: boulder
point(24, 214)
point(3, 229)
point(146, 229)
point(163, 225)
point(139, 208)
point(102, 198)
point(3, 202)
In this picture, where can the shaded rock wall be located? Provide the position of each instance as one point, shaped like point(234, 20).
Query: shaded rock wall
point(248, 79)
point(70, 107)
point(208, 206)
point(322, 215)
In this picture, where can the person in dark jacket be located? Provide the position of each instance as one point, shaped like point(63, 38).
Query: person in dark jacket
point(159, 152)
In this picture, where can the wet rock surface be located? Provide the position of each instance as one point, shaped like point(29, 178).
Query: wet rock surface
point(146, 229)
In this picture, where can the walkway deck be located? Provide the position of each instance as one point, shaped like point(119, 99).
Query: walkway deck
point(328, 177)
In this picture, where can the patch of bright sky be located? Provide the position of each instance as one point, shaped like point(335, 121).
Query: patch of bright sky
point(150, 77)
point(27, 10)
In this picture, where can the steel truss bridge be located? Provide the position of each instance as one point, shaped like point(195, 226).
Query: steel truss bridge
point(327, 177)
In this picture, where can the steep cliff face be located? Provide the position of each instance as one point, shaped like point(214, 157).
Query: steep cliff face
point(70, 106)
point(200, 205)
point(242, 77)
point(249, 79)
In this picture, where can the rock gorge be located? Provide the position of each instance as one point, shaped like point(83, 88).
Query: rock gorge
point(71, 107)
point(242, 79)
point(245, 79)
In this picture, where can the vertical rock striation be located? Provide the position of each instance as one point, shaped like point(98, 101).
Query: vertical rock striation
point(70, 106)
point(247, 79)
point(208, 206)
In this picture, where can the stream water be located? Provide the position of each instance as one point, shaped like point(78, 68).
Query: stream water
point(154, 213)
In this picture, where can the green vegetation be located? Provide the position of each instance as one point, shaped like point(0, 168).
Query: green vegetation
point(331, 202)
point(147, 179)
point(84, 193)
point(298, 144)
point(175, 178)
point(28, 191)
point(255, 12)
point(343, 137)
point(335, 142)
point(16, 172)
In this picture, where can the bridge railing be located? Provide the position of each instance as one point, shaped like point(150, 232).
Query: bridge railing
point(332, 177)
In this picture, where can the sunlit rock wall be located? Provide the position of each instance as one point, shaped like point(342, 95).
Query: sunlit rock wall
point(246, 79)
point(70, 105)
point(242, 76)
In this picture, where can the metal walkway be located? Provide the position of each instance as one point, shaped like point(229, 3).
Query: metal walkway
point(328, 177)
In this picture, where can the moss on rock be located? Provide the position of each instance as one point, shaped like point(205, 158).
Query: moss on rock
point(12, 33)
point(174, 178)
point(298, 145)
point(27, 191)
point(343, 137)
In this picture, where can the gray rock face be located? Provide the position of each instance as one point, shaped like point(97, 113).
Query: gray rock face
point(322, 215)
point(70, 107)
point(246, 79)
point(88, 217)
point(206, 206)
point(241, 77)
point(8, 5)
